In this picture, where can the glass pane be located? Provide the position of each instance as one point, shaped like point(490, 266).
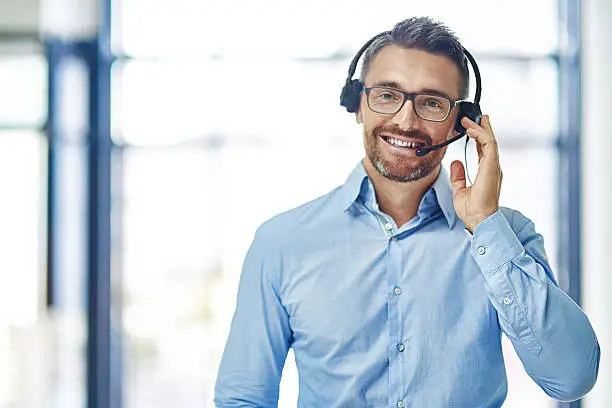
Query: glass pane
point(295, 102)
point(521, 98)
point(24, 346)
point(205, 99)
point(180, 282)
point(23, 100)
point(270, 28)
point(169, 275)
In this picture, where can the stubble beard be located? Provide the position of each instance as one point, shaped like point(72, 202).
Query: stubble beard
point(400, 169)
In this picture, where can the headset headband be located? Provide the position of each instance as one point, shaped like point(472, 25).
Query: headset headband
point(470, 58)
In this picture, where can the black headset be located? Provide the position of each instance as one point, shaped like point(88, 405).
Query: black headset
point(351, 96)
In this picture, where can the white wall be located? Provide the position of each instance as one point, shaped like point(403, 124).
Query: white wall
point(597, 186)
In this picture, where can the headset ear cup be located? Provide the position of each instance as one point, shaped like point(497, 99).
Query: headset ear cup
point(351, 95)
point(469, 109)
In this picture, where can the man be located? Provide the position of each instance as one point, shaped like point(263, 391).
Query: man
point(394, 289)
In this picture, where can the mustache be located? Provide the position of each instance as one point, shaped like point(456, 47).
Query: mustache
point(396, 131)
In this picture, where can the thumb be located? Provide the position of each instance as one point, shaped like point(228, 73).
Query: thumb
point(457, 176)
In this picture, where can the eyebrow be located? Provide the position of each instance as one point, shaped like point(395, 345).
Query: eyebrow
point(429, 91)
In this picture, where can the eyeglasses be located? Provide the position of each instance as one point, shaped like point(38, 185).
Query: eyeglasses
point(389, 101)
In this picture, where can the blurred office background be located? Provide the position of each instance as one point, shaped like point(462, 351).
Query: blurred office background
point(142, 142)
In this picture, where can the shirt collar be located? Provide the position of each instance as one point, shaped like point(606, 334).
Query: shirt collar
point(355, 185)
point(444, 193)
point(358, 183)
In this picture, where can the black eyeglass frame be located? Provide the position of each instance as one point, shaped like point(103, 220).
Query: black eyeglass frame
point(410, 97)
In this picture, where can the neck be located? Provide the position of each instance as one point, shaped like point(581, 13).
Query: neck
point(399, 200)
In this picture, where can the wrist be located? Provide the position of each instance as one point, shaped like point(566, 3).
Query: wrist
point(472, 222)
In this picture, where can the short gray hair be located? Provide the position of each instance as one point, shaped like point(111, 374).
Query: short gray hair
point(425, 34)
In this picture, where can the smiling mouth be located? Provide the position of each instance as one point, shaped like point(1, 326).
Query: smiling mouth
point(402, 143)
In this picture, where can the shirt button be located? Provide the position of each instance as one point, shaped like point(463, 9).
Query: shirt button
point(481, 250)
point(400, 347)
point(401, 404)
point(388, 227)
point(507, 301)
point(397, 291)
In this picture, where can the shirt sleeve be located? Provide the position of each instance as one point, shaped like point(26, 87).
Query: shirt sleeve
point(550, 333)
point(260, 336)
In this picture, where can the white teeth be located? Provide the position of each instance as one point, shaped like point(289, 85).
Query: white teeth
point(402, 143)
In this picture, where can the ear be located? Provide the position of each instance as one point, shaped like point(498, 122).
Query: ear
point(453, 133)
point(359, 113)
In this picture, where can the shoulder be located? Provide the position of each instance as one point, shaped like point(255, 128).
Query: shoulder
point(283, 239)
point(526, 233)
point(305, 217)
point(523, 227)
point(517, 220)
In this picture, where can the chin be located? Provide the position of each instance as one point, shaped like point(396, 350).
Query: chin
point(406, 174)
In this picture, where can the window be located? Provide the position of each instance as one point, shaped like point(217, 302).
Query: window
point(22, 215)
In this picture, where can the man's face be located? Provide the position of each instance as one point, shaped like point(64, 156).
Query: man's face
point(412, 71)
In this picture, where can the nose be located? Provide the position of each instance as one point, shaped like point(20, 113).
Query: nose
point(406, 117)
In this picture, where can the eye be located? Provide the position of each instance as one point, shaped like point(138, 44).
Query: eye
point(382, 95)
point(433, 103)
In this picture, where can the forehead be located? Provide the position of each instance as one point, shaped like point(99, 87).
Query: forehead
point(414, 70)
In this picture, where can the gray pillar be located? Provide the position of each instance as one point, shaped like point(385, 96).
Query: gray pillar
point(597, 186)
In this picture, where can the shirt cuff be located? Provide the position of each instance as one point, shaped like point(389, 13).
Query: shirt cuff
point(494, 243)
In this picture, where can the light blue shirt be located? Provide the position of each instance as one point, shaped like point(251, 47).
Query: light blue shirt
point(381, 316)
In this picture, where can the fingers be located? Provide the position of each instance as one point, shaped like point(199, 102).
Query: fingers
point(484, 136)
point(457, 176)
point(479, 150)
